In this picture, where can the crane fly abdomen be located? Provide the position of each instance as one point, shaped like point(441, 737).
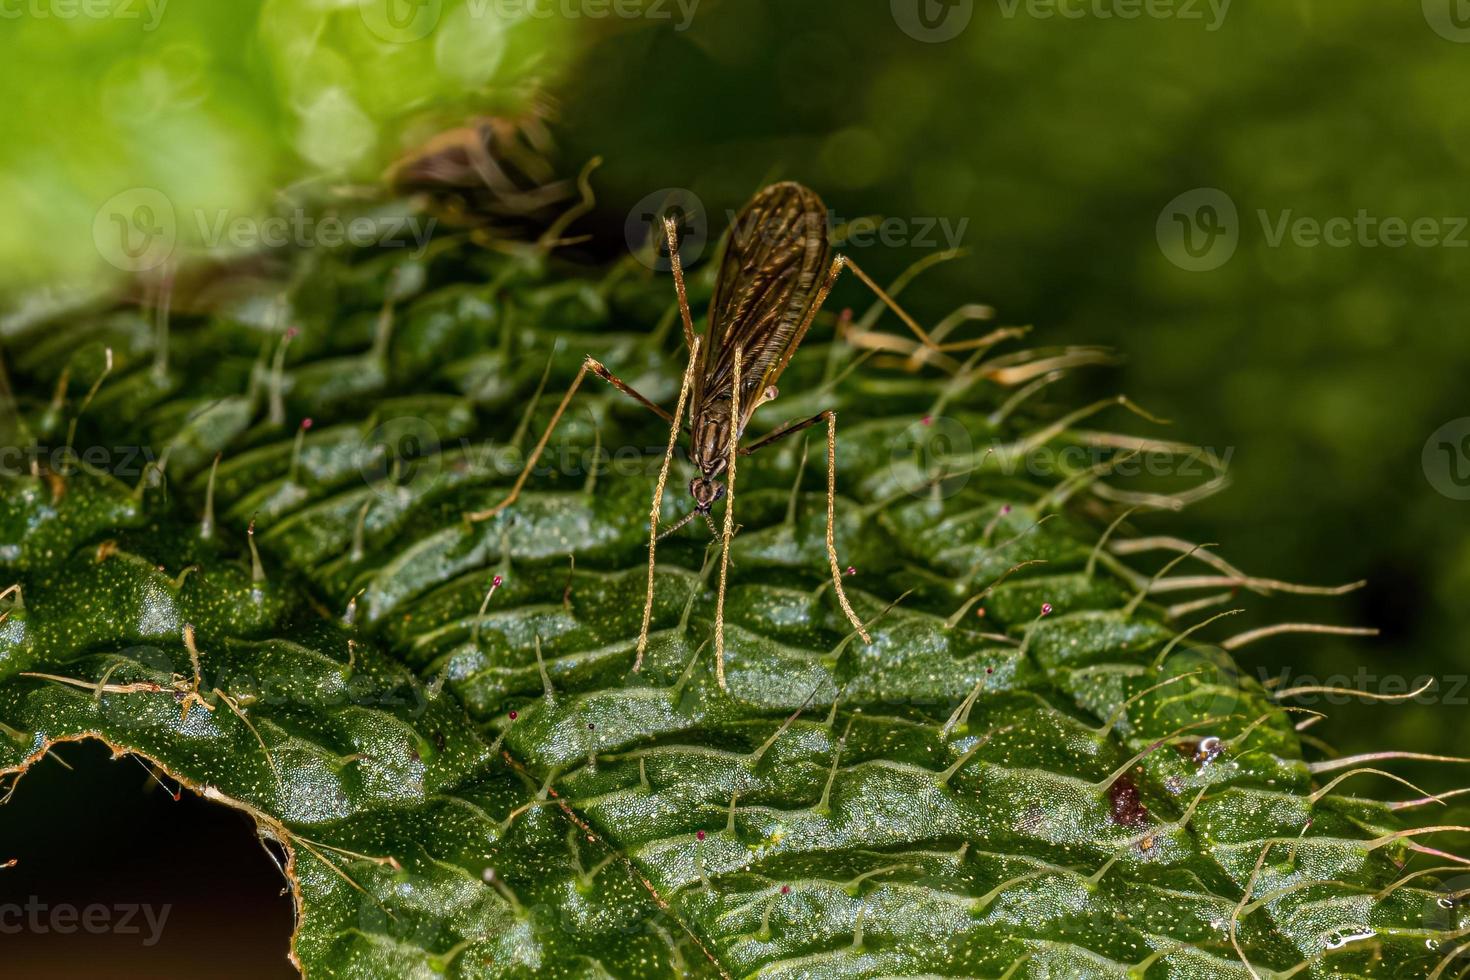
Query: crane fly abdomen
point(768, 279)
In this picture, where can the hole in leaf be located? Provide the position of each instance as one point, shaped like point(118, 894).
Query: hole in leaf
point(114, 877)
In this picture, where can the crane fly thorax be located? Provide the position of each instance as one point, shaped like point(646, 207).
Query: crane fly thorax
point(709, 437)
point(709, 449)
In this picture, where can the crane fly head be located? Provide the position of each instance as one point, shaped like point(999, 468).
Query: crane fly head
point(706, 493)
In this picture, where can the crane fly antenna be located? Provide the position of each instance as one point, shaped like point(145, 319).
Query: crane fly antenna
point(679, 525)
point(658, 499)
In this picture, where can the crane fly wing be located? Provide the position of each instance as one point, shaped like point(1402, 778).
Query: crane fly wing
point(770, 273)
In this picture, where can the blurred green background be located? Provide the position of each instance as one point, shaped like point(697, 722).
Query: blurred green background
point(1066, 145)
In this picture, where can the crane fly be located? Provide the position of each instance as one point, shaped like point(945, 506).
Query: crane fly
point(770, 287)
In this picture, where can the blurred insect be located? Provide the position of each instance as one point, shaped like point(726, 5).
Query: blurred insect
point(494, 176)
point(769, 290)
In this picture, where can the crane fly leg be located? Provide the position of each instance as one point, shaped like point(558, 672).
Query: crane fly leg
point(842, 261)
point(790, 428)
point(830, 417)
point(729, 525)
point(658, 498)
point(671, 232)
point(590, 364)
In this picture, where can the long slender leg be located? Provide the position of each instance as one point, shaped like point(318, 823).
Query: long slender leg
point(831, 520)
point(658, 499)
point(671, 232)
point(590, 364)
point(838, 264)
point(790, 429)
point(889, 301)
point(729, 524)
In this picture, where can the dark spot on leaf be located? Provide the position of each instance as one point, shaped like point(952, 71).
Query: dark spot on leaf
point(1127, 805)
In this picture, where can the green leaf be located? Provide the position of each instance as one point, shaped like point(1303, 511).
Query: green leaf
point(471, 779)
